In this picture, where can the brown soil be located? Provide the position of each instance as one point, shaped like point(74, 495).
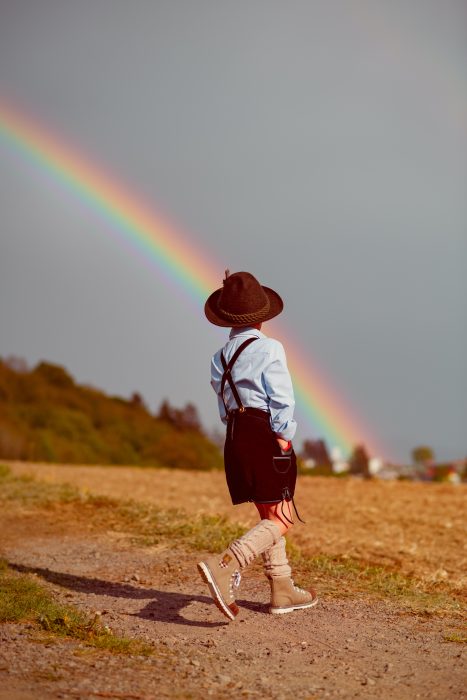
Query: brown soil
point(343, 648)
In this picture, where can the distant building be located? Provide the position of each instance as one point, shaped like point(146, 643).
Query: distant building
point(339, 464)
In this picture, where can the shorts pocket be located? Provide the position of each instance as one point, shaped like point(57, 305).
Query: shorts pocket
point(282, 463)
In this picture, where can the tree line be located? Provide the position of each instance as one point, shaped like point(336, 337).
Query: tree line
point(46, 416)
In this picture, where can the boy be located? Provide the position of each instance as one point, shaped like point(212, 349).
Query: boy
point(256, 402)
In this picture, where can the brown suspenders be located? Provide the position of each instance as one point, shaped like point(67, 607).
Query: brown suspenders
point(227, 376)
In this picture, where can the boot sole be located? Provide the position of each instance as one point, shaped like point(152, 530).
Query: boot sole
point(208, 578)
point(282, 611)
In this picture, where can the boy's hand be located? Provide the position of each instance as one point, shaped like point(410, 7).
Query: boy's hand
point(285, 445)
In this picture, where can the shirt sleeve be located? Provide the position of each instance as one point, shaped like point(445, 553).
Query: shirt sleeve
point(278, 386)
point(216, 379)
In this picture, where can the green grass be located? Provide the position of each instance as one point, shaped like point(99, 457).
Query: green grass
point(29, 491)
point(344, 577)
point(145, 521)
point(24, 600)
point(457, 637)
point(149, 525)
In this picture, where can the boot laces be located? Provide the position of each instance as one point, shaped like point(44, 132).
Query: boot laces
point(297, 588)
point(234, 583)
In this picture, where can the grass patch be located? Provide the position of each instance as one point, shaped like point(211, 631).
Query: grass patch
point(458, 636)
point(5, 472)
point(344, 577)
point(24, 600)
point(29, 491)
point(149, 525)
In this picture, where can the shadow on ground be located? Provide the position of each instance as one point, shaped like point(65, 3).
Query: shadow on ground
point(164, 606)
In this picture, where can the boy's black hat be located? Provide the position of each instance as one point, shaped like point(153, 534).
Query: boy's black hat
point(242, 301)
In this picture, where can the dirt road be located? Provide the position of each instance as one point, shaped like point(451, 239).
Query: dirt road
point(355, 647)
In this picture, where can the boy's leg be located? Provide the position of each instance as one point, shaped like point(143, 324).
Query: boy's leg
point(222, 572)
point(285, 595)
point(279, 513)
point(275, 562)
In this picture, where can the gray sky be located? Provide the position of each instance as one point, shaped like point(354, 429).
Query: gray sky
point(321, 145)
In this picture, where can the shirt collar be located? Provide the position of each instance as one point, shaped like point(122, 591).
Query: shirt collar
point(237, 332)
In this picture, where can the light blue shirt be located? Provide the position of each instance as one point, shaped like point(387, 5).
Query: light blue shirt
point(261, 377)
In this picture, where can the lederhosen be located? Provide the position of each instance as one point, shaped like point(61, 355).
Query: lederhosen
point(255, 466)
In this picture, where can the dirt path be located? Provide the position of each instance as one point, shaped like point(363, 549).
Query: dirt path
point(349, 648)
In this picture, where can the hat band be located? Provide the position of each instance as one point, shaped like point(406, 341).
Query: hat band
point(246, 318)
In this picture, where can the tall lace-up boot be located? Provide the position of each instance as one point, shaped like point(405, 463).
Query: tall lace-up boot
point(222, 572)
point(285, 595)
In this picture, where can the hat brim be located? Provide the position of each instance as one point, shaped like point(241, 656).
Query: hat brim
point(214, 314)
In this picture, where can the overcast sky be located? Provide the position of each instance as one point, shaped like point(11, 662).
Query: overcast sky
point(321, 145)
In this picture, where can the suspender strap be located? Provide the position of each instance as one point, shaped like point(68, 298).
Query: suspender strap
point(227, 376)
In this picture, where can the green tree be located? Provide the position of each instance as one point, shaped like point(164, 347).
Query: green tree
point(186, 418)
point(359, 463)
point(422, 454)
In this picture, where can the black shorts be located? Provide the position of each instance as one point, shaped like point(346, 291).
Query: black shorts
point(255, 466)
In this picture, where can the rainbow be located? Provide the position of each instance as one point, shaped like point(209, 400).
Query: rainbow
point(179, 260)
